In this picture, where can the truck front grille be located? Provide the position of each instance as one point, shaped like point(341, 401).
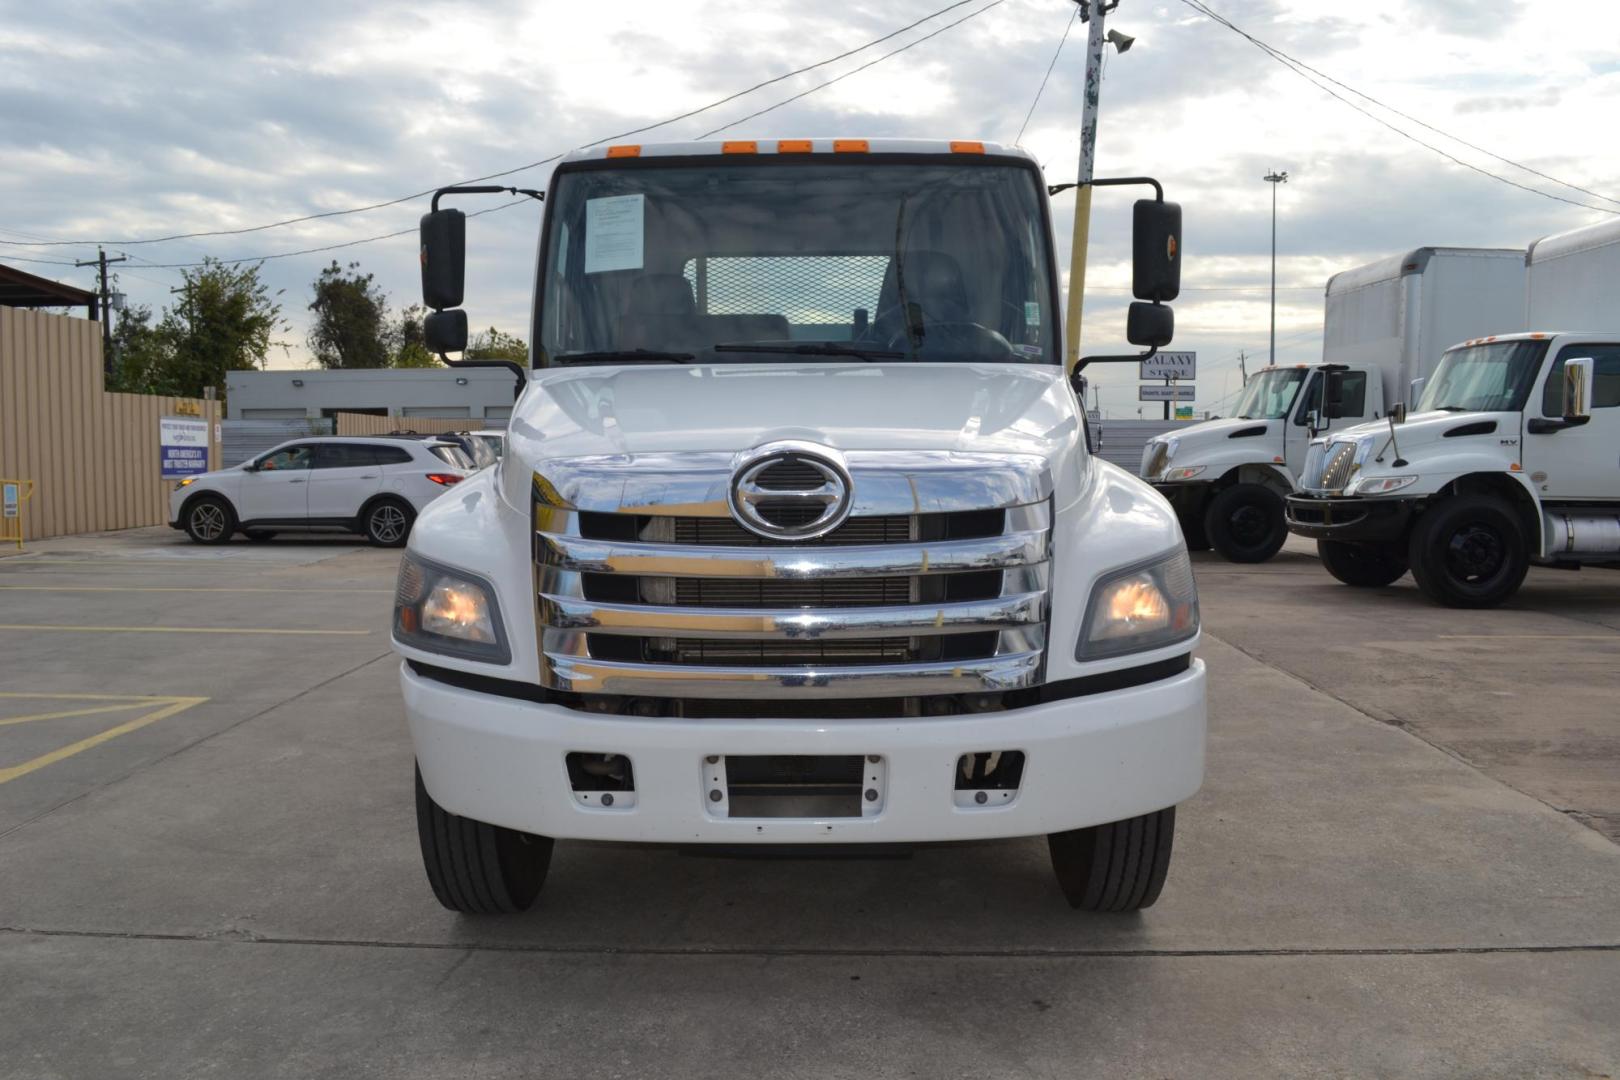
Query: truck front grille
point(1340, 464)
point(697, 607)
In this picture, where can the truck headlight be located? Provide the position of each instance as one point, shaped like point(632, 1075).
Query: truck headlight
point(1379, 485)
point(1145, 606)
point(448, 611)
point(1185, 472)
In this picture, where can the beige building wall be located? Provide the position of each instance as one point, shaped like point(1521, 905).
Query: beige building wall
point(93, 456)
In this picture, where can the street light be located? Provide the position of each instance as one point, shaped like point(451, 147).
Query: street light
point(1274, 178)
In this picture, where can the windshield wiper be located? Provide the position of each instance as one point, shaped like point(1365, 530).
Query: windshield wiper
point(624, 356)
point(1452, 408)
point(814, 348)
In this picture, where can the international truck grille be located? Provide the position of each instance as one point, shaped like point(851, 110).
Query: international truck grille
point(1158, 458)
point(696, 607)
point(1340, 464)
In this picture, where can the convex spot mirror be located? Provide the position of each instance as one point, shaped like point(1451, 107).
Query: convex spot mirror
point(445, 331)
point(444, 258)
point(1150, 325)
point(1156, 250)
point(1578, 377)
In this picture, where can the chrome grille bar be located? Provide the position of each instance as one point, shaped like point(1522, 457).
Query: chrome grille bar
point(567, 613)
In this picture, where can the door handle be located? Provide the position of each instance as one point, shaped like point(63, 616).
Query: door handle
point(367, 476)
point(298, 480)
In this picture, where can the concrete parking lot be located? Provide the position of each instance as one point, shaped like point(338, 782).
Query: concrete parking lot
point(1405, 862)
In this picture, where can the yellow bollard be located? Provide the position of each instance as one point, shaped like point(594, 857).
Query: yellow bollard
point(13, 493)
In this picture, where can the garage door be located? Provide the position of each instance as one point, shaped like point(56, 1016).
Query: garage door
point(447, 412)
point(273, 414)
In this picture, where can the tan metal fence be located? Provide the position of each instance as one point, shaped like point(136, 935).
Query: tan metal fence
point(93, 456)
point(365, 424)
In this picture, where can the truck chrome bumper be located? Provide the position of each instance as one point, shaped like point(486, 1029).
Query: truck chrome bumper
point(1353, 520)
point(1088, 760)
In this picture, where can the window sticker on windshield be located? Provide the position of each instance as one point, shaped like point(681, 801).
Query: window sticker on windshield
point(613, 233)
point(1032, 313)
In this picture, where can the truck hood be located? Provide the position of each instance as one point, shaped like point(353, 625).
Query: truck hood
point(587, 412)
point(1212, 442)
point(1424, 429)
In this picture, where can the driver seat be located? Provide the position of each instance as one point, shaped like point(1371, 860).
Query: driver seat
point(934, 282)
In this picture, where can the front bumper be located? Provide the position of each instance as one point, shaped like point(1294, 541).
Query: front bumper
point(1088, 760)
point(1350, 519)
point(1186, 497)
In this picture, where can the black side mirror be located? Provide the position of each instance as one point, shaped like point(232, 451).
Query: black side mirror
point(1333, 399)
point(444, 258)
point(1156, 250)
point(445, 331)
point(1152, 325)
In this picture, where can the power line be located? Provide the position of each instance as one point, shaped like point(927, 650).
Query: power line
point(852, 71)
point(1067, 26)
point(1299, 70)
point(543, 161)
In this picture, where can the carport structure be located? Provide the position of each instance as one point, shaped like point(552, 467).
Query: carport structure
point(19, 288)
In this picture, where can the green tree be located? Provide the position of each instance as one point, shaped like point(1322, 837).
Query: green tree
point(144, 353)
point(405, 342)
point(493, 344)
point(351, 319)
point(226, 320)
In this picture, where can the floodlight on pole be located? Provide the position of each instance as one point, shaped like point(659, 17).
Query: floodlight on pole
point(1274, 178)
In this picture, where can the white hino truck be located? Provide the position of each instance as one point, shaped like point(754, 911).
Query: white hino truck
point(1511, 456)
point(797, 539)
point(1385, 326)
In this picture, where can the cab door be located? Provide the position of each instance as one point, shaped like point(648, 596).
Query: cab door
point(345, 476)
point(277, 488)
point(1296, 430)
point(1581, 462)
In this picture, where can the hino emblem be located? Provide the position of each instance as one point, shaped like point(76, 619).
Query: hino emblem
point(790, 493)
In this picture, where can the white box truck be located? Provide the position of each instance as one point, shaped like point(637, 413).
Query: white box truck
point(1385, 326)
point(797, 538)
point(1510, 458)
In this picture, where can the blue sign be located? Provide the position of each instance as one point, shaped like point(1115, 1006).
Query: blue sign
point(183, 446)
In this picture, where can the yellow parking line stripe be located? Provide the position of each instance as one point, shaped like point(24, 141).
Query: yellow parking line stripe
point(85, 697)
point(1526, 637)
point(179, 630)
point(177, 705)
point(5, 721)
point(181, 588)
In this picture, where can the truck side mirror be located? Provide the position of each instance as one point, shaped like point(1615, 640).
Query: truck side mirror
point(1415, 393)
point(1314, 423)
point(444, 258)
point(1333, 399)
point(1578, 378)
point(1152, 325)
point(1156, 251)
point(1397, 415)
point(445, 331)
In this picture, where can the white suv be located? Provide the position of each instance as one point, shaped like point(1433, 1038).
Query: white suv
point(373, 486)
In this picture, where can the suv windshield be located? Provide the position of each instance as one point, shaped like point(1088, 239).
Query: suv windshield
point(777, 260)
point(1484, 378)
point(1268, 395)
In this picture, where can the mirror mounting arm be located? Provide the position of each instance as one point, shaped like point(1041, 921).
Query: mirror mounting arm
point(483, 189)
point(1120, 358)
point(1115, 181)
point(513, 366)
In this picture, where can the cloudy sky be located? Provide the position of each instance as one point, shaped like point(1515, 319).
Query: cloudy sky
point(125, 121)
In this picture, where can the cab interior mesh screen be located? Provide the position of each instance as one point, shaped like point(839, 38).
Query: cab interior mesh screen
point(812, 291)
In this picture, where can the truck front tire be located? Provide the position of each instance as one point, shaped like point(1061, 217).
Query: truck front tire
point(1245, 523)
point(1120, 866)
point(1469, 552)
point(478, 869)
point(1366, 566)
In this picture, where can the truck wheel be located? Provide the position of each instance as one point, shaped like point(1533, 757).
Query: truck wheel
point(478, 869)
point(1469, 552)
point(1367, 566)
point(1115, 867)
point(1245, 523)
point(209, 520)
point(1192, 530)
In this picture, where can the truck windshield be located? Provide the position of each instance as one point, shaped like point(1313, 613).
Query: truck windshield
point(759, 260)
point(1268, 395)
point(1494, 377)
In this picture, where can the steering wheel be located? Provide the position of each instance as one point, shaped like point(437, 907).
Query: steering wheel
point(970, 338)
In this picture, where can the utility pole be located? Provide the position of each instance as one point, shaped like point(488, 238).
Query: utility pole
point(107, 358)
point(1091, 11)
point(1243, 372)
point(1274, 178)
